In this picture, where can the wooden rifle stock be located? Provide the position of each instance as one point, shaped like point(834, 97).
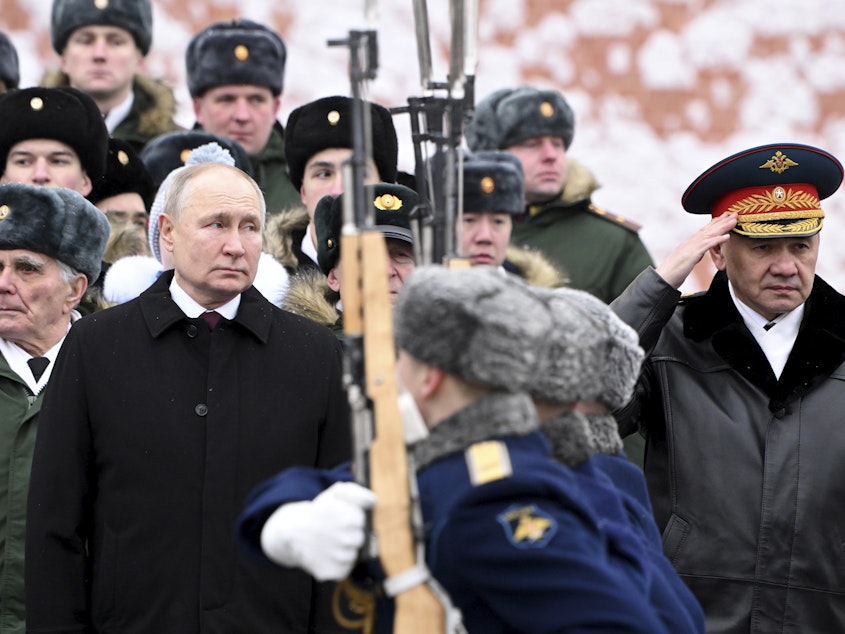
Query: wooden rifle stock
point(368, 312)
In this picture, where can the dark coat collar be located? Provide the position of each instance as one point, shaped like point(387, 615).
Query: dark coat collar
point(160, 312)
point(818, 351)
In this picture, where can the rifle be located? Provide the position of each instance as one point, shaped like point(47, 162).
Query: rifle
point(437, 124)
point(381, 459)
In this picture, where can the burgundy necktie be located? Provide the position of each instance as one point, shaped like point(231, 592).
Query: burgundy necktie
point(212, 318)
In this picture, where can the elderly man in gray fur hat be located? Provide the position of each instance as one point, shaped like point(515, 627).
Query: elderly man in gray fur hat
point(51, 243)
point(102, 48)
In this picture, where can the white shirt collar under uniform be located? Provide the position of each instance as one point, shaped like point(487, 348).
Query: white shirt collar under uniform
point(308, 247)
point(776, 342)
point(119, 112)
point(192, 309)
point(17, 359)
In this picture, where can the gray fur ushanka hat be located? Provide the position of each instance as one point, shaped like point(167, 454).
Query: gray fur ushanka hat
point(494, 183)
point(512, 115)
point(55, 221)
point(135, 16)
point(10, 71)
point(590, 353)
point(239, 52)
point(478, 323)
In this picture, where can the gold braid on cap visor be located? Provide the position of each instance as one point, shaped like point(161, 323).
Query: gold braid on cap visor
point(792, 210)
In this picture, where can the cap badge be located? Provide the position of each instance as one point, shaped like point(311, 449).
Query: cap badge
point(4, 211)
point(388, 202)
point(241, 53)
point(36, 103)
point(184, 154)
point(547, 109)
point(488, 184)
point(779, 194)
point(122, 158)
point(101, 4)
point(333, 117)
point(330, 243)
point(779, 163)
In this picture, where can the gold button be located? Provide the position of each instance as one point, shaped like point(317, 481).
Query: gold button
point(488, 184)
point(36, 103)
point(333, 117)
point(330, 243)
point(4, 211)
point(122, 158)
point(241, 53)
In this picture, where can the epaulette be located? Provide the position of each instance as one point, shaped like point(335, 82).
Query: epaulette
point(488, 461)
point(619, 220)
point(686, 297)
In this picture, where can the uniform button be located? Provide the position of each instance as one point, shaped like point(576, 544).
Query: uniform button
point(191, 330)
point(201, 409)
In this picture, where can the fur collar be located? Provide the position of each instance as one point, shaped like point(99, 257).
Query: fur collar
point(279, 235)
point(154, 120)
point(818, 350)
point(494, 415)
point(309, 296)
point(580, 183)
point(533, 267)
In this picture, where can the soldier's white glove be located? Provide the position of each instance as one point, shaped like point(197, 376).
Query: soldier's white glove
point(321, 536)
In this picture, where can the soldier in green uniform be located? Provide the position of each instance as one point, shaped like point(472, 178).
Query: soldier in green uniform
point(599, 252)
point(102, 46)
point(235, 73)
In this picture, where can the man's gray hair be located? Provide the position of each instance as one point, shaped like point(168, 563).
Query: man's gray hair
point(179, 188)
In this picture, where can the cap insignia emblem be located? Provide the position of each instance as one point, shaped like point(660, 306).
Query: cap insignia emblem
point(122, 158)
point(101, 4)
point(330, 243)
point(488, 184)
point(388, 202)
point(4, 211)
point(241, 53)
point(184, 154)
point(36, 103)
point(547, 109)
point(779, 194)
point(779, 163)
point(333, 117)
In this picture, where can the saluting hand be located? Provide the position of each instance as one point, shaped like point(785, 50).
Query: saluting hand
point(680, 262)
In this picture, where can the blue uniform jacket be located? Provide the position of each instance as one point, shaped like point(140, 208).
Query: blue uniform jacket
point(522, 553)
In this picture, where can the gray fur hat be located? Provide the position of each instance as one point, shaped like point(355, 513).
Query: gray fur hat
point(590, 354)
point(391, 206)
point(327, 123)
point(512, 115)
point(55, 221)
point(479, 323)
point(235, 52)
point(10, 71)
point(135, 16)
point(494, 183)
point(64, 114)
